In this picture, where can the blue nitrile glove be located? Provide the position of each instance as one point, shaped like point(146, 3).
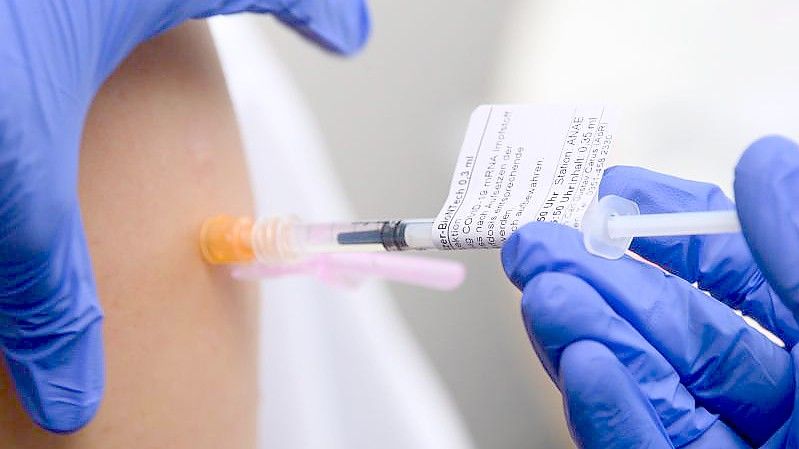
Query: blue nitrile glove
point(54, 55)
point(645, 359)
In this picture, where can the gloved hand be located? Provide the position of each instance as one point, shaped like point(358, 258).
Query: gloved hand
point(54, 55)
point(645, 359)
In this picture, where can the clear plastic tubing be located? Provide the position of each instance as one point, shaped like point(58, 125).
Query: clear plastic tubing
point(229, 240)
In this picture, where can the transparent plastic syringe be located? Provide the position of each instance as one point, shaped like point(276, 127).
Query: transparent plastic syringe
point(230, 240)
point(610, 224)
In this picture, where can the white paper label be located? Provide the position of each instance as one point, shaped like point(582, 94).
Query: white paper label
point(523, 163)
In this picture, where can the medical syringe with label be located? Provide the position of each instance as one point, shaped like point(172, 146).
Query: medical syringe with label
point(517, 164)
point(608, 228)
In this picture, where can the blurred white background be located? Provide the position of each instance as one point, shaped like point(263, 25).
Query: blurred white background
point(696, 83)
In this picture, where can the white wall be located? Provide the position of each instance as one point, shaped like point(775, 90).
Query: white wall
point(697, 81)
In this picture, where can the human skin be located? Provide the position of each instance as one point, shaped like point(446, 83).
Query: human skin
point(160, 153)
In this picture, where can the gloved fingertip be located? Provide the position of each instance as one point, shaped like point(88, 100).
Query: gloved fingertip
point(529, 250)
point(509, 254)
point(62, 389)
point(764, 153)
point(356, 34)
point(615, 180)
point(764, 169)
point(341, 28)
point(65, 418)
point(767, 199)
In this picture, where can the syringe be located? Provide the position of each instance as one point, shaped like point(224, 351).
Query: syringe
point(610, 224)
point(230, 240)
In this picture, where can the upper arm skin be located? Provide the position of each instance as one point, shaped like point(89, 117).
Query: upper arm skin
point(161, 152)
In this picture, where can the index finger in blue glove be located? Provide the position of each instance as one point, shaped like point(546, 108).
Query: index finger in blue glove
point(729, 367)
point(721, 264)
point(607, 411)
point(767, 195)
point(606, 408)
point(561, 310)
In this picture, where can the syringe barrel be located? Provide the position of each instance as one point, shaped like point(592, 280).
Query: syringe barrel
point(312, 238)
point(365, 236)
point(682, 223)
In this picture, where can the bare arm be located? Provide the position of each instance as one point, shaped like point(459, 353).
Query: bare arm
point(160, 153)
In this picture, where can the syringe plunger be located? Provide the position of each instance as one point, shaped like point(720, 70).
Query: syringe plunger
point(610, 224)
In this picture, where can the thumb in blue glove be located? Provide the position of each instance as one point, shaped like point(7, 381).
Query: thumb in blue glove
point(54, 55)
